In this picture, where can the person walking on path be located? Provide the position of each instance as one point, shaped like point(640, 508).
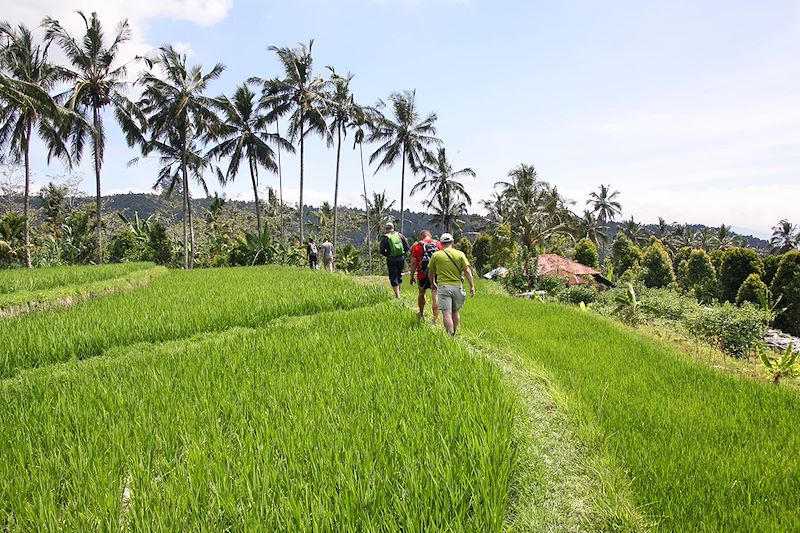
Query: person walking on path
point(421, 254)
point(327, 255)
point(313, 262)
point(446, 268)
point(394, 247)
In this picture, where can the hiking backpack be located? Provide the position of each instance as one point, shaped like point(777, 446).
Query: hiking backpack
point(395, 244)
point(428, 249)
point(312, 249)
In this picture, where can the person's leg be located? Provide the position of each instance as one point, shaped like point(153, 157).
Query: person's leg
point(455, 321)
point(435, 305)
point(421, 300)
point(447, 319)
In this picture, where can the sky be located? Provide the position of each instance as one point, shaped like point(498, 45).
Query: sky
point(690, 109)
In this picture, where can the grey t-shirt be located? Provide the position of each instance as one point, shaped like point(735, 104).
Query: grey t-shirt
point(327, 249)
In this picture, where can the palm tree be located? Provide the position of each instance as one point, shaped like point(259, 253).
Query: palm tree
point(590, 227)
point(301, 95)
point(447, 196)
point(96, 84)
point(785, 236)
point(179, 115)
point(27, 106)
point(379, 210)
point(404, 137)
point(447, 212)
point(605, 204)
point(359, 120)
point(341, 108)
point(635, 232)
point(725, 238)
point(245, 137)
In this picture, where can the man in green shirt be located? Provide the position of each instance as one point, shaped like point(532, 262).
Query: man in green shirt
point(446, 268)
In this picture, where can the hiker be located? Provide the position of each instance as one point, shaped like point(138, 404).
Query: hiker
point(394, 247)
point(421, 254)
point(447, 269)
point(327, 255)
point(313, 263)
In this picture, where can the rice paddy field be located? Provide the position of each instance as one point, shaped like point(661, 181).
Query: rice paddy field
point(281, 399)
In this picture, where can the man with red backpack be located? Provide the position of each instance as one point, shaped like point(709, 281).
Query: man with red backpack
point(421, 254)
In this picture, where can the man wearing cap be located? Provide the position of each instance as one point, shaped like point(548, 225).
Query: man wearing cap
point(394, 247)
point(447, 269)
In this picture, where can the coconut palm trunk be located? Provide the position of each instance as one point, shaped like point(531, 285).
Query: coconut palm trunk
point(302, 209)
point(185, 180)
point(336, 185)
point(280, 181)
point(98, 147)
point(254, 179)
point(366, 206)
point(402, 192)
point(27, 200)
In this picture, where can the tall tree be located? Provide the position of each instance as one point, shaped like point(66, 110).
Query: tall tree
point(97, 82)
point(26, 104)
point(379, 210)
point(405, 137)
point(244, 137)
point(301, 95)
point(341, 109)
point(605, 204)
point(360, 120)
point(785, 237)
point(179, 114)
point(589, 227)
point(446, 194)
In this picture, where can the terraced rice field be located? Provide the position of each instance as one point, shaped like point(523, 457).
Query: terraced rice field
point(280, 399)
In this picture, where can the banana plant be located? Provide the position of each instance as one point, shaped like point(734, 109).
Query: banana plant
point(783, 366)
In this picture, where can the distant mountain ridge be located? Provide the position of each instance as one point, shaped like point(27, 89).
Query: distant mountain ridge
point(148, 203)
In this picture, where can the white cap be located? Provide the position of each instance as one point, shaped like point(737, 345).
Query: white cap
point(446, 237)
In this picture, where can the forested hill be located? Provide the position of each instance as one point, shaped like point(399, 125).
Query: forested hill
point(146, 204)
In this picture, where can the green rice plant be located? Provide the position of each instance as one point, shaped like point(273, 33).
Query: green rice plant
point(703, 450)
point(333, 422)
point(174, 306)
point(14, 280)
point(19, 302)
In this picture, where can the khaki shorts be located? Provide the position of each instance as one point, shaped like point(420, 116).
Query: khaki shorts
point(451, 298)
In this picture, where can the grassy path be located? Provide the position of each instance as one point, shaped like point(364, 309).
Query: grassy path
point(694, 449)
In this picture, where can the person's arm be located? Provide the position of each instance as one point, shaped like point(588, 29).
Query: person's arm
point(406, 247)
point(468, 274)
point(414, 267)
point(384, 248)
point(432, 272)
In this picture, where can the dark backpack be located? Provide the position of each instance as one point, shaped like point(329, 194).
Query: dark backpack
point(428, 249)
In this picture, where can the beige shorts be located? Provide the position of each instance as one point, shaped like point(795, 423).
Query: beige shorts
point(451, 298)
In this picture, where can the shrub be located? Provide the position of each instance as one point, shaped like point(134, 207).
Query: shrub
point(586, 253)
point(737, 264)
point(521, 275)
point(771, 263)
point(482, 252)
point(624, 254)
point(552, 285)
point(159, 244)
point(716, 259)
point(504, 247)
point(656, 266)
point(577, 294)
point(466, 246)
point(750, 289)
point(681, 256)
point(667, 304)
point(787, 285)
point(697, 276)
point(738, 331)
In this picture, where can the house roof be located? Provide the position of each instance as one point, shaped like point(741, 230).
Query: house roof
point(555, 265)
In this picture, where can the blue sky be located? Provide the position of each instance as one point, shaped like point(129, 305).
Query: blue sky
point(689, 109)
